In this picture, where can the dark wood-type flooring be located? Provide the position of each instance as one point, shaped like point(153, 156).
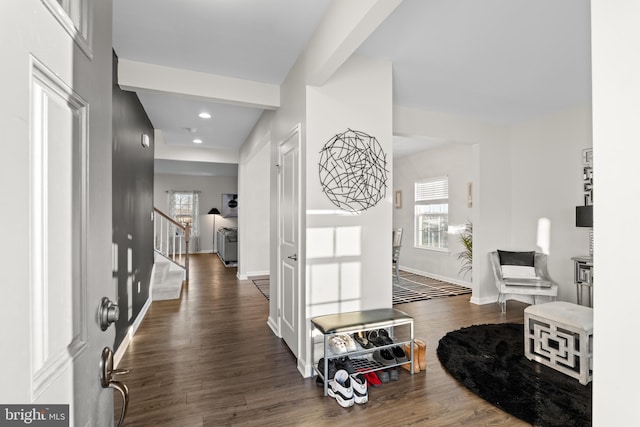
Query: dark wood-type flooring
point(209, 359)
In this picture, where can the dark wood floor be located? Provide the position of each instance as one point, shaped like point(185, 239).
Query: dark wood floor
point(209, 359)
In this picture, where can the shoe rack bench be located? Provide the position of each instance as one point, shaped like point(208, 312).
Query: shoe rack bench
point(360, 321)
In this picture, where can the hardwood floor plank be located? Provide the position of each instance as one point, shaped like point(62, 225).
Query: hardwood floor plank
point(209, 359)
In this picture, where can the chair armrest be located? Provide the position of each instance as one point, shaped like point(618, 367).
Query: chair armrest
point(495, 265)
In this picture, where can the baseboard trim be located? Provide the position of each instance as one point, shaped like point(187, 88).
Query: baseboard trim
point(273, 325)
point(122, 348)
point(253, 275)
point(455, 281)
point(483, 301)
point(303, 368)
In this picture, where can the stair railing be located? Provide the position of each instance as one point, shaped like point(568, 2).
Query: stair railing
point(168, 238)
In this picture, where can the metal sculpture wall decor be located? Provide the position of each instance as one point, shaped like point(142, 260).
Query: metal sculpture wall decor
point(353, 171)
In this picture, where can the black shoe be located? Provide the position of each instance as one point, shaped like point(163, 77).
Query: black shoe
point(376, 339)
point(384, 357)
point(383, 376)
point(393, 374)
point(345, 363)
point(384, 336)
point(399, 354)
point(332, 370)
point(362, 340)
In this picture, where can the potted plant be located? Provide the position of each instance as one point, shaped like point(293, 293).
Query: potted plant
point(466, 256)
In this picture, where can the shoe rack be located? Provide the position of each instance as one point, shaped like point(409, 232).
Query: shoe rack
point(398, 323)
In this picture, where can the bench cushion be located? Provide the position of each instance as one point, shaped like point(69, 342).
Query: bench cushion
point(359, 320)
point(564, 312)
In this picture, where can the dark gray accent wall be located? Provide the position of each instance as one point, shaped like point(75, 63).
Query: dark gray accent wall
point(132, 204)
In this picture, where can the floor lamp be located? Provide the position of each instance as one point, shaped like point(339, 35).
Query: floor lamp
point(214, 212)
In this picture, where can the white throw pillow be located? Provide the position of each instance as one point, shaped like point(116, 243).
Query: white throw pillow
point(518, 272)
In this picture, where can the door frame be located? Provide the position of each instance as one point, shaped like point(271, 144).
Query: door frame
point(296, 130)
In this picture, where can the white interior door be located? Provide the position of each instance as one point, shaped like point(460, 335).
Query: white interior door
point(289, 211)
point(55, 116)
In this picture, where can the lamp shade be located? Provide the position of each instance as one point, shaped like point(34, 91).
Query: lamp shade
point(584, 216)
point(214, 211)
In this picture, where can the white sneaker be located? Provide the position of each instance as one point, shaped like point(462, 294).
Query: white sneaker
point(340, 388)
point(337, 346)
point(360, 388)
point(349, 342)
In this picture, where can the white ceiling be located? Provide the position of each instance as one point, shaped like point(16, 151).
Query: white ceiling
point(501, 61)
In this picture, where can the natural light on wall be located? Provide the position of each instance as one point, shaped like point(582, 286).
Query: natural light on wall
point(544, 235)
point(334, 269)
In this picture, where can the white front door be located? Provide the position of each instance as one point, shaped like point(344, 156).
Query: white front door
point(55, 182)
point(288, 208)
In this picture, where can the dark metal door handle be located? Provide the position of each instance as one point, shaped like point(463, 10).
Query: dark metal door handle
point(106, 380)
point(108, 313)
point(293, 257)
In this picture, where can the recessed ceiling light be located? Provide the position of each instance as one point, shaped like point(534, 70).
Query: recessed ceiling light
point(204, 115)
point(197, 141)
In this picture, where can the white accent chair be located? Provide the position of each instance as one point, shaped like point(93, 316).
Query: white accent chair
point(397, 244)
point(540, 285)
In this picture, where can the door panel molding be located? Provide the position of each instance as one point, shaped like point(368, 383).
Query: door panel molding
point(58, 216)
point(73, 16)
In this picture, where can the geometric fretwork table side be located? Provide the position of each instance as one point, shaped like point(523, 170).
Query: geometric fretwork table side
point(560, 335)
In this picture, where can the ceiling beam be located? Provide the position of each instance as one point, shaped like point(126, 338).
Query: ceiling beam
point(345, 26)
point(139, 76)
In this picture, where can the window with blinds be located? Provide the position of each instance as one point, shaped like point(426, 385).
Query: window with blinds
point(432, 213)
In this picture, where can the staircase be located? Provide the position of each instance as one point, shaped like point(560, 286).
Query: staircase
point(167, 279)
point(171, 258)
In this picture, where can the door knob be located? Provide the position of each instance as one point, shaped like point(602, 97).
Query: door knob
point(293, 257)
point(107, 313)
point(106, 379)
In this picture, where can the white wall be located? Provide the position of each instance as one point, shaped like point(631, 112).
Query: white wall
point(616, 90)
point(354, 271)
point(520, 174)
point(254, 246)
point(491, 210)
point(211, 188)
point(456, 162)
point(547, 183)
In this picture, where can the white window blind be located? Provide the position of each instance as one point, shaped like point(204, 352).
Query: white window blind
point(432, 189)
point(432, 213)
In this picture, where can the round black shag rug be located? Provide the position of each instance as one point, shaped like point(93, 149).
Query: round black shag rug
point(489, 360)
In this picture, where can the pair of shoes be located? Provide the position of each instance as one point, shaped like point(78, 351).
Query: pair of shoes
point(419, 356)
point(348, 389)
point(362, 340)
point(337, 346)
point(332, 370)
point(373, 379)
point(378, 339)
point(341, 344)
point(397, 352)
point(387, 357)
point(384, 357)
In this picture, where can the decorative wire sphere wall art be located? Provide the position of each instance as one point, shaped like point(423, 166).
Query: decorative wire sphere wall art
point(353, 171)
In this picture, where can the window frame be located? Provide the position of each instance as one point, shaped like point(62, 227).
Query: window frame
point(431, 192)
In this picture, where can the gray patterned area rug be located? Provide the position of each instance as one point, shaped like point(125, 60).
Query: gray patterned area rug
point(263, 285)
point(413, 287)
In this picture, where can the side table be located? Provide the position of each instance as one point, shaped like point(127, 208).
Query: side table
point(583, 276)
